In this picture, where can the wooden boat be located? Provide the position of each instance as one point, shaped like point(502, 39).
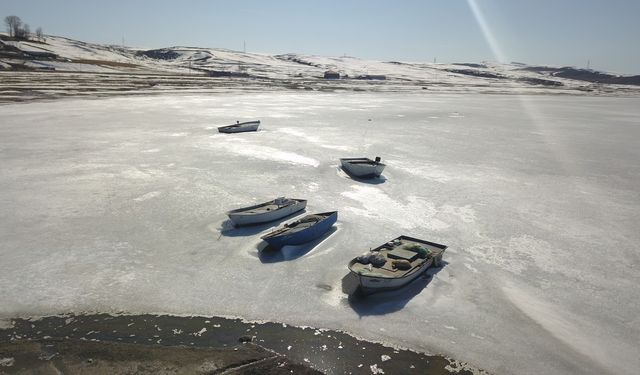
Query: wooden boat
point(396, 263)
point(303, 230)
point(362, 167)
point(239, 127)
point(267, 211)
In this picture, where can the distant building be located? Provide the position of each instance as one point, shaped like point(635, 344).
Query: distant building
point(330, 74)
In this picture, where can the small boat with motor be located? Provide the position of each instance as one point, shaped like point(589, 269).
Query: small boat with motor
point(395, 263)
point(362, 167)
point(303, 230)
point(239, 127)
point(267, 211)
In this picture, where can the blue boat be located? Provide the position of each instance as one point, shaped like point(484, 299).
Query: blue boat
point(303, 230)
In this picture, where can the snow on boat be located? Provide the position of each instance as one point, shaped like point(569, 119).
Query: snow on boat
point(362, 167)
point(249, 126)
point(267, 211)
point(303, 230)
point(396, 263)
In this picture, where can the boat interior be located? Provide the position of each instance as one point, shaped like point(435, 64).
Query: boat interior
point(266, 207)
point(362, 161)
point(239, 124)
point(298, 225)
point(262, 208)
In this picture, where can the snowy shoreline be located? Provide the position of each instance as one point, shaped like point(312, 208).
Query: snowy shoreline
point(331, 352)
point(30, 87)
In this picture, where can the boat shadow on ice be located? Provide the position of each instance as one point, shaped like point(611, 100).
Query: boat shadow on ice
point(227, 228)
point(270, 254)
point(385, 302)
point(372, 181)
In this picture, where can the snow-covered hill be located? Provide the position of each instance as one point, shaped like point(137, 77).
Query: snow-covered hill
point(62, 56)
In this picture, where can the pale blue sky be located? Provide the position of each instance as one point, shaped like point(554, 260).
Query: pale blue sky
point(553, 32)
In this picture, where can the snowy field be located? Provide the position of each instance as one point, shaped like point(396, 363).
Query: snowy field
point(118, 205)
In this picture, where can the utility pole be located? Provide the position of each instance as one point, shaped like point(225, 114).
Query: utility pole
point(244, 46)
point(588, 64)
point(123, 41)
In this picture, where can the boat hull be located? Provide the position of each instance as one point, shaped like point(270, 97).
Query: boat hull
point(241, 127)
point(308, 234)
point(362, 170)
point(240, 218)
point(370, 285)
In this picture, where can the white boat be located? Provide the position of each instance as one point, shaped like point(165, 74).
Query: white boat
point(239, 127)
point(267, 211)
point(362, 167)
point(396, 263)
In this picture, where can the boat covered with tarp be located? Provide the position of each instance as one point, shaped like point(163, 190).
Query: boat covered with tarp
point(303, 230)
point(395, 263)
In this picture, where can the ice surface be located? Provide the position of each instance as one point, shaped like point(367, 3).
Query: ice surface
point(118, 205)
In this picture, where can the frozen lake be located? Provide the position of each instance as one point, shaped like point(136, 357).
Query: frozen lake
point(117, 205)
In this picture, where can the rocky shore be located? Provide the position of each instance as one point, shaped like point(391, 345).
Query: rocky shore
point(162, 344)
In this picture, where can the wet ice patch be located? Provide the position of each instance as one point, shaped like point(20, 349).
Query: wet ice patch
point(595, 343)
point(471, 268)
point(334, 295)
point(497, 254)
point(427, 171)
point(147, 196)
point(122, 278)
point(281, 115)
point(465, 213)
point(200, 332)
point(266, 153)
point(518, 254)
point(299, 134)
point(376, 204)
point(136, 173)
point(304, 135)
point(338, 147)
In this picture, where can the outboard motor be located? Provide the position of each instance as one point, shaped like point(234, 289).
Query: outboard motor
point(377, 159)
